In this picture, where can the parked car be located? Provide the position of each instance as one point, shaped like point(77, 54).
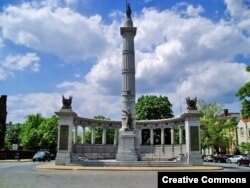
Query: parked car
point(234, 159)
point(221, 159)
point(244, 161)
point(208, 158)
point(42, 156)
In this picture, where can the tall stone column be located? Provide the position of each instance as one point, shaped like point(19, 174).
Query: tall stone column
point(104, 135)
point(83, 135)
point(76, 135)
point(65, 128)
point(193, 140)
point(151, 136)
point(128, 139)
point(93, 135)
point(162, 137)
point(115, 137)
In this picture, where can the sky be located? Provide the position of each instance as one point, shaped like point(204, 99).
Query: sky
point(50, 48)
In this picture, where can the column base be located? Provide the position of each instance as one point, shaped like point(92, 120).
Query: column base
point(63, 158)
point(126, 148)
point(195, 159)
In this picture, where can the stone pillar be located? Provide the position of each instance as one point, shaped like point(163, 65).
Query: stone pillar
point(115, 137)
point(192, 132)
point(128, 144)
point(151, 136)
point(83, 135)
point(65, 127)
point(180, 138)
point(76, 135)
point(104, 134)
point(172, 140)
point(93, 135)
point(140, 136)
point(162, 137)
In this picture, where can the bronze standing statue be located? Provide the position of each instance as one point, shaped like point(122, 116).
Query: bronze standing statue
point(128, 10)
point(129, 120)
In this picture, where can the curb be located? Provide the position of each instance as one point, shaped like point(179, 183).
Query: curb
point(15, 160)
point(116, 168)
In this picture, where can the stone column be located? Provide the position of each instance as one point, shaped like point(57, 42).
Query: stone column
point(162, 137)
point(172, 140)
point(115, 137)
point(65, 127)
point(104, 134)
point(151, 136)
point(83, 135)
point(140, 136)
point(192, 132)
point(128, 144)
point(76, 135)
point(93, 135)
point(180, 138)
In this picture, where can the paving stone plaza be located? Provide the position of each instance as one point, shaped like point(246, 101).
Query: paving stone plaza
point(127, 148)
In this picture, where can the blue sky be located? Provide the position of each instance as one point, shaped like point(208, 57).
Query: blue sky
point(187, 48)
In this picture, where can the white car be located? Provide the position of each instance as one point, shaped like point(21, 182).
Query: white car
point(234, 159)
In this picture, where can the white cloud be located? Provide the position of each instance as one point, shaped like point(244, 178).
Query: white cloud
point(55, 30)
point(20, 106)
point(178, 53)
point(12, 63)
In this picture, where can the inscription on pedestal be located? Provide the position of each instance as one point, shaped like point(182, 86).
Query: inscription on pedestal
point(63, 141)
point(194, 134)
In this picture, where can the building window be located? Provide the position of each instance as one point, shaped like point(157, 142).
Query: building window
point(241, 131)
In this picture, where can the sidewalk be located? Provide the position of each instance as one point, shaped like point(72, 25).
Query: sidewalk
point(52, 166)
point(15, 160)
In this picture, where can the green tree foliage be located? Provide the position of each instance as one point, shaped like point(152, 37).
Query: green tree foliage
point(13, 134)
point(244, 95)
point(153, 107)
point(30, 131)
point(216, 132)
point(245, 147)
point(39, 132)
point(47, 132)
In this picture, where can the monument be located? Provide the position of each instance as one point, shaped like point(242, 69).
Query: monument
point(127, 135)
point(3, 115)
point(128, 148)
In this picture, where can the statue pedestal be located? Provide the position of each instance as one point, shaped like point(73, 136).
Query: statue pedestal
point(126, 147)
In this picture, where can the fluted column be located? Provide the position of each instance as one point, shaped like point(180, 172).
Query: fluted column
point(104, 134)
point(83, 135)
point(76, 135)
point(172, 136)
point(140, 136)
point(180, 138)
point(151, 136)
point(115, 137)
point(162, 137)
point(93, 136)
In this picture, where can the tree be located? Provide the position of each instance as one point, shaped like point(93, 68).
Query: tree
point(13, 134)
point(30, 134)
point(153, 107)
point(47, 132)
point(245, 147)
point(215, 130)
point(244, 95)
point(40, 133)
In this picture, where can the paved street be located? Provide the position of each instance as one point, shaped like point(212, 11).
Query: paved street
point(25, 175)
